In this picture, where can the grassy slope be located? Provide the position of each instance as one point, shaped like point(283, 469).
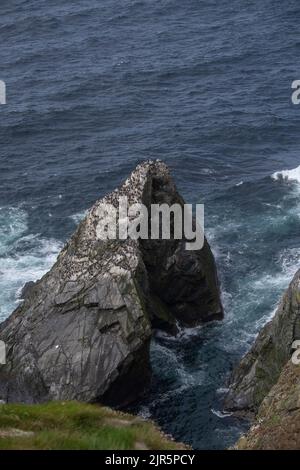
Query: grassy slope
point(73, 425)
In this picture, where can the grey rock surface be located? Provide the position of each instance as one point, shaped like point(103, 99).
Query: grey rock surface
point(27, 288)
point(83, 331)
point(260, 369)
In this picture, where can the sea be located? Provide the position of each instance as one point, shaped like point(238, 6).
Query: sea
point(95, 87)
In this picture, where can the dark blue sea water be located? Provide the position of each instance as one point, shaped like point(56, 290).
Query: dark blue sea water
point(93, 88)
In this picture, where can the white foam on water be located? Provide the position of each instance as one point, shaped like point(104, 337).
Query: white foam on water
point(288, 175)
point(23, 257)
point(77, 218)
point(176, 367)
point(289, 262)
point(207, 171)
point(220, 414)
point(275, 206)
point(259, 324)
point(13, 223)
point(183, 333)
point(289, 259)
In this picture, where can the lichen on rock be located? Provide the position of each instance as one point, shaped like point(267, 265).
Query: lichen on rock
point(260, 369)
point(267, 382)
point(83, 331)
point(277, 424)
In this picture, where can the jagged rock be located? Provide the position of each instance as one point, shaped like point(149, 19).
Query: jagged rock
point(260, 369)
point(267, 382)
point(83, 332)
point(25, 292)
point(277, 425)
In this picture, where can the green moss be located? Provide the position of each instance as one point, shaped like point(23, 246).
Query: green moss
point(162, 312)
point(73, 425)
point(274, 420)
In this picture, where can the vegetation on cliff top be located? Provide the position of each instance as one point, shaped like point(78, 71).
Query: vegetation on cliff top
point(277, 425)
point(74, 425)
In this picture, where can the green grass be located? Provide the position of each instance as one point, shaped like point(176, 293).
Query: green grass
point(73, 425)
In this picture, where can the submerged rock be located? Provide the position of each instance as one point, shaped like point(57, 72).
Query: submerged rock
point(83, 330)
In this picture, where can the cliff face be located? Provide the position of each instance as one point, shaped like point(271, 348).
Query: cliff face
point(260, 369)
point(83, 330)
point(267, 382)
point(277, 425)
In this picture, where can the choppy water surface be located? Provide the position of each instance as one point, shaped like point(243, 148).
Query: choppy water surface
point(95, 87)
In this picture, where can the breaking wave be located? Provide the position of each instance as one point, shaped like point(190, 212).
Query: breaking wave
point(23, 256)
point(288, 175)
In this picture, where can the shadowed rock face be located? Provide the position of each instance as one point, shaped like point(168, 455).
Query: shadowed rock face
point(260, 369)
point(83, 330)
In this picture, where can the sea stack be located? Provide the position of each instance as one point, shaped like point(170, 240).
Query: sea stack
point(83, 331)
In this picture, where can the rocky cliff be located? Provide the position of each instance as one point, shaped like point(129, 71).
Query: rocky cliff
point(277, 423)
point(267, 382)
point(83, 330)
point(259, 370)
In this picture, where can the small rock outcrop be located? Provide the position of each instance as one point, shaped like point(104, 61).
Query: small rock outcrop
point(260, 369)
point(83, 331)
